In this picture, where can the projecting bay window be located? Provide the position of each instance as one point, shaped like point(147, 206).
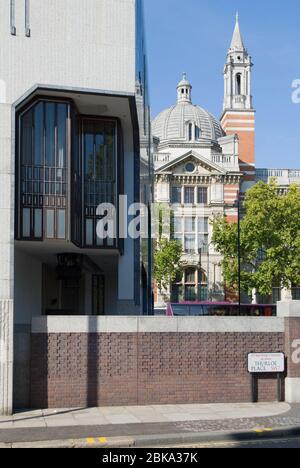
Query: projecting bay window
point(62, 153)
point(42, 171)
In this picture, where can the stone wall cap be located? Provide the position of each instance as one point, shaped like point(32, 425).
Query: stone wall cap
point(288, 309)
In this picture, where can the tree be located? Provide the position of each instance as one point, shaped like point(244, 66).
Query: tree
point(269, 240)
point(167, 252)
point(167, 265)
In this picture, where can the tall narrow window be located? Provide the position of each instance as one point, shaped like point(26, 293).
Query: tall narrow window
point(202, 195)
point(100, 184)
point(13, 29)
point(27, 19)
point(43, 171)
point(190, 132)
point(239, 84)
point(176, 194)
point(189, 195)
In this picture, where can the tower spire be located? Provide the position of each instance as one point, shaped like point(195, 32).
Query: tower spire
point(237, 43)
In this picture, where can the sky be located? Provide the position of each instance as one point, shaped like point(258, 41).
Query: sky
point(193, 36)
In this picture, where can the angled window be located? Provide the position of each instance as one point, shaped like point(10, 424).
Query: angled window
point(42, 171)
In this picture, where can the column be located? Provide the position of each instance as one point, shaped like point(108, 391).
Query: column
point(290, 311)
point(6, 257)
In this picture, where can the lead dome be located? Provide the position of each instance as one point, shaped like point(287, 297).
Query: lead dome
point(176, 122)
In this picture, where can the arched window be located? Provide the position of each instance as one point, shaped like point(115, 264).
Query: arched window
point(238, 84)
point(191, 286)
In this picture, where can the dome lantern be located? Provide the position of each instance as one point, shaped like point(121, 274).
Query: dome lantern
point(184, 90)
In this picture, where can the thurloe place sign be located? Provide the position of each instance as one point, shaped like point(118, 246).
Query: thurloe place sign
point(266, 363)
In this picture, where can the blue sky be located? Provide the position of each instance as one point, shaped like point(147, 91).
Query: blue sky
point(193, 36)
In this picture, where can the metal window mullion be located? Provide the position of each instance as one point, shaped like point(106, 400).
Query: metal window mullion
point(13, 29)
point(27, 19)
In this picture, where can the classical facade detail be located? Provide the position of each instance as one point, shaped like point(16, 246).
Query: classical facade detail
point(198, 174)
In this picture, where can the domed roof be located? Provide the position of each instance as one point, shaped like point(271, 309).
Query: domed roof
point(172, 123)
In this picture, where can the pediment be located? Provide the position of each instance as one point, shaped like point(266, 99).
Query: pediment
point(203, 166)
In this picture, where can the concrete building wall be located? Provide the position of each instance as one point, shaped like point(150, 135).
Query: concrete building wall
point(68, 45)
point(87, 44)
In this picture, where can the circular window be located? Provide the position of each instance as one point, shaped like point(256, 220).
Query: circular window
point(190, 167)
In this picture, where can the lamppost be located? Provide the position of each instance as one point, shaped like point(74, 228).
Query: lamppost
point(200, 269)
point(239, 250)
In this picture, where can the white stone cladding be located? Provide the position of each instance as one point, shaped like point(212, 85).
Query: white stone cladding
point(66, 46)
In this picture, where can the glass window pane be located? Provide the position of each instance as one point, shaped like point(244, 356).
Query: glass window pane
point(39, 134)
point(202, 292)
point(202, 195)
point(177, 225)
point(190, 276)
point(189, 195)
point(176, 195)
point(190, 293)
point(89, 238)
point(189, 243)
point(203, 243)
point(189, 224)
point(89, 155)
point(203, 225)
point(50, 134)
point(27, 139)
point(50, 224)
point(26, 222)
point(61, 224)
point(38, 230)
point(61, 134)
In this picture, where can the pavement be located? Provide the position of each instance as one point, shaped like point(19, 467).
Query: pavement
point(147, 426)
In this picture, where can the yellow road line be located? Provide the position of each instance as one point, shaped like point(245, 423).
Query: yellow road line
point(102, 440)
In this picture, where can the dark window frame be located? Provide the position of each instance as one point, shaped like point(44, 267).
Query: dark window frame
point(73, 147)
point(42, 200)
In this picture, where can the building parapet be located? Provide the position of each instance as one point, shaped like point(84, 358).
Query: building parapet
point(284, 177)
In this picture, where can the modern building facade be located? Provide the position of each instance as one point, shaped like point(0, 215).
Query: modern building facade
point(74, 135)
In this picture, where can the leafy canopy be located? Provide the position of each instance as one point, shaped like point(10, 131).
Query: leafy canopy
point(269, 240)
point(167, 253)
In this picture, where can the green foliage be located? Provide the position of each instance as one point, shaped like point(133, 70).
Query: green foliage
point(167, 253)
point(167, 265)
point(270, 225)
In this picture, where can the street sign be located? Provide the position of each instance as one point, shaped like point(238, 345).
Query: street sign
point(266, 363)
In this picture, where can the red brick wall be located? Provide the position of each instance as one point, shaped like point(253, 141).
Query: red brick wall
point(70, 370)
